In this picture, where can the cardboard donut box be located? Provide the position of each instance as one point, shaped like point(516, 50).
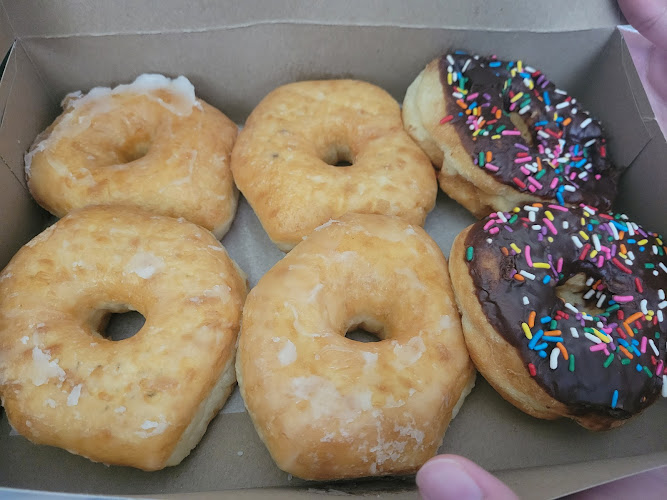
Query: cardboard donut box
point(235, 53)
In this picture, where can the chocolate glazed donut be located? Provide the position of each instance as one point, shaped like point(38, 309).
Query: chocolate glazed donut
point(572, 303)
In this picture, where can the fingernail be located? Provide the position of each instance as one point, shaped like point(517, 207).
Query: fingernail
point(443, 479)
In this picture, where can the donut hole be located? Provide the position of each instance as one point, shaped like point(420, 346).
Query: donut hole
point(369, 330)
point(575, 291)
point(117, 323)
point(338, 155)
point(522, 126)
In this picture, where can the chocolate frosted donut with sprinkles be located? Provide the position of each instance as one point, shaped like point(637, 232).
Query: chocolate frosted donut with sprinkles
point(564, 311)
point(501, 134)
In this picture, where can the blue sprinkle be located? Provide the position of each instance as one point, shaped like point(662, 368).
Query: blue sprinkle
point(494, 64)
point(543, 345)
point(547, 101)
point(623, 342)
point(620, 226)
point(524, 75)
point(632, 240)
point(614, 399)
point(635, 342)
point(548, 338)
point(545, 319)
point(541, 124)
point(546, 279)
point(576, 150)
point(510, 64)
point(641, 249)
point(639, 367)
point(559, 197)
point(636, 351)
point(580, 163)
point(536, 338)
point(589, 227)
point(473, 105)
point(461, 113)
point(460, 52)
point(543, 354)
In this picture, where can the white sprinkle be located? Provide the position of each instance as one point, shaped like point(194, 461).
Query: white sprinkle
point(530, 209)
point(642, 306)
point(601, 300)
point(652, 344)
point(465, 66)
point(525, 109)
point(574, 332)
point(661, 294)
point(662, 304)
point(562, 105)
point(589, 281)
point(589, 294)
point(571, 308)
point(583, 175)
point(590, 143)
point(574, 111)
point(536, 227)
point(662, 266)
point(592, 337)
point(566, 224)
point(73, 398)
point(526, 274)
point(578, 244)
point(543, 134)
point(654, 248)
point(628, 261)
point(501, 216)
point(569, 188)
point(525, 301)
point(450, 59)
point(631, 230)
point(553, 359)
point(664, 386)
point(596, 242)
point(489, 240)
point(659, 316)
point(239, 453)
point(531, 216)
point(559, 91)
point(586, 122)
point(613, 230)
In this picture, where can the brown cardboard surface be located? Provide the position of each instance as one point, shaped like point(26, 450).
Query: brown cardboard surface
point(69, 17)
point(233, 68)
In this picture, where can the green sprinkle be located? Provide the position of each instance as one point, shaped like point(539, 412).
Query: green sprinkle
point(553, 324)
point(571, 362)
point(657, 335)
point(608, 361)
point(501, 128)
point(613, 308)
point(481, 159)
point(469, 253)
point(588, 329)
point(661, 251)
point(513, 219)
point(594, 221)
point(539, 174)
point(648, 372)
point(625, 361)
point(635, 330)
point(649, 266)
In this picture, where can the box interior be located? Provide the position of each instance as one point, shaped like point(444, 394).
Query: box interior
point(233, 67)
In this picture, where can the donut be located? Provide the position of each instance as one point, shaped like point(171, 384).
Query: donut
point(501, 134)
point(284, 160)
point(564, 311)
point(326, 406)
point(144, 401)
point(150, 144)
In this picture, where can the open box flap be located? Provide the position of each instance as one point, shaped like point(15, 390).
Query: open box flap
point(74, 17)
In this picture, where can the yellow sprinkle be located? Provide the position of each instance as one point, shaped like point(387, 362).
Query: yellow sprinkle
point(541, 265)
point(642, 242)
point(526, 330)
point(549, 215)
point(659, 241)
point(449, 78)
point(604, 338)
point(516, 210)
point(476, 132)
point(515, 248)
point(530, 84)
point(583, 235)
point(516, 97)
point(624, 256)
point(583, 221)
point(550, 239)
point(593, 254)
point(497, 136)
point(519, 65)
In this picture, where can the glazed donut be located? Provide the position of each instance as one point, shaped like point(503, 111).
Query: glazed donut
point(328, 407)
point(283, 160)
point(501, 134)
point(150, 144)
point(144, 401)
point(564, 311)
